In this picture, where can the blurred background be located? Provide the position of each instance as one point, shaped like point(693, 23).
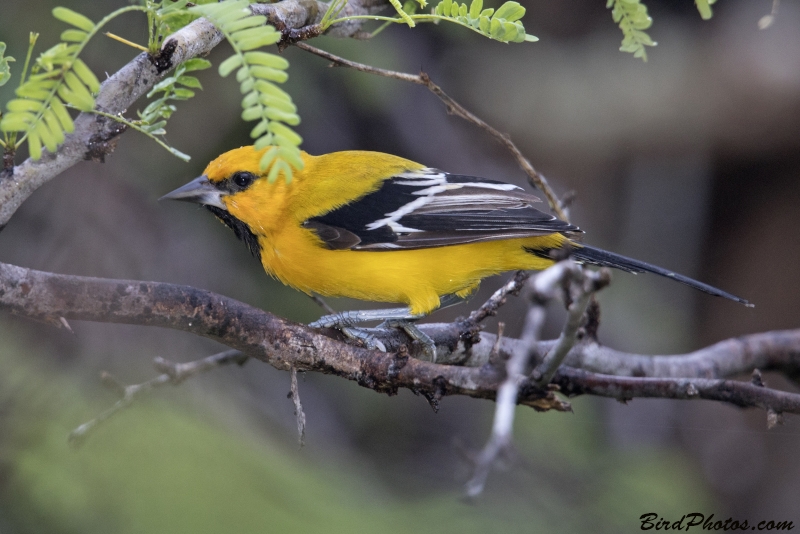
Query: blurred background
point(690, 161)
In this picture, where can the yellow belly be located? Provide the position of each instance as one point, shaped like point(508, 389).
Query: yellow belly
point(413, 277)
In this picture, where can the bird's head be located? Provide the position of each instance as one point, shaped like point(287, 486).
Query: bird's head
point(236, 191)
point(224, 178)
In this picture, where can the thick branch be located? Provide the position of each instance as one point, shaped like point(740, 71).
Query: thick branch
point(258, 334)
point(284, 345)
point(744, 394)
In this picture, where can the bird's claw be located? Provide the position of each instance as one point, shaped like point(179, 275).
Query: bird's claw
point(392, 318)
point(358, 334)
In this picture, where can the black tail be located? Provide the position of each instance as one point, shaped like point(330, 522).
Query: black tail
point(603, 258)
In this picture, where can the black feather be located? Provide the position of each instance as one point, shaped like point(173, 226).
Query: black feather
point(239, 228)
point(462, 215)
point(603, 258)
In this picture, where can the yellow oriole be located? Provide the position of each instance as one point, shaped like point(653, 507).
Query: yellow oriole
point(378, 227)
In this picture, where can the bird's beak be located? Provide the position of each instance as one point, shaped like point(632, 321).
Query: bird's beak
point(199, 190)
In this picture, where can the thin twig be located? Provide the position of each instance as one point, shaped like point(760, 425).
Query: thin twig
point(322, 304)
point(299, 414)
point(581, 285)
point(173, 373)
point(498, 298)
point(500, 440)
point(535, 177)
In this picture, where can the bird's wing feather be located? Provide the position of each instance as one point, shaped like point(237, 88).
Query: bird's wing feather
point(431, 208)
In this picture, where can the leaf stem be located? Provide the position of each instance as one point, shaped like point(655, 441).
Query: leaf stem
point(122, 120)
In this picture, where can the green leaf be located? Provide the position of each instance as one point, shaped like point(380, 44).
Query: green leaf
point(34, 145)
point(253, 33)
point(269, 156)
point(63, 115)
point(74, 18)
point(189, 81)
point(164, 84)
point(228, 15)
point(81, 100)
point(77, 36)
point(86, 75)
point(277, 168)
point(259, 129)
point(33, 91)
point(252, 113)
point(496, 29)
point(229, 65)
point(250, 99)
point(266, 59)
point(264, 142)
point(475, 8)
point(54, 126)
point(632, 18)
point(24, 104)
point(258, 42)
point(77, 87)
point(243, 73)
point(704, 7)
point(268, 73)
point(47, 137)
point(278, 103)
point(511, 11)
point(5, 68)
point(245, 23)
point(284, 131)
point(277, 115)
point(182, 94)
point(271, 89)
point(292, 156)
point(17, 122)
point(195, 64)
point(155, 128)
point(247, 85)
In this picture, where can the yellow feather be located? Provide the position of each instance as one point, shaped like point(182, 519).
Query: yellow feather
point(296, 256)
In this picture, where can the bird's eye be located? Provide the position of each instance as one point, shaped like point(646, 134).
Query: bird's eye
point(243, 179)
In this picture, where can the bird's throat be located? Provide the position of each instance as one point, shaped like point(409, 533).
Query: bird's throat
point(239, 228)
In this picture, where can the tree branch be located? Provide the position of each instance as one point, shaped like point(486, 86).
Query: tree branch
point(573, 381)
point(172, 373)
point(286, 345)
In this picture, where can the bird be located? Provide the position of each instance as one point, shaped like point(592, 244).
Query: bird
point(378, 227)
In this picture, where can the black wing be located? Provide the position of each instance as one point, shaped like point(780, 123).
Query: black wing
point(431, 208)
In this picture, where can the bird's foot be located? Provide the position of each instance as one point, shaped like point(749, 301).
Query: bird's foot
point(391, 318)
point(413, 331)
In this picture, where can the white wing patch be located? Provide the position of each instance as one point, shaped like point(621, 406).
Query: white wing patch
point(435, 193)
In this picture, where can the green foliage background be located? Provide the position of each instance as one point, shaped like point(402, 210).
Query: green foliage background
point(161, 468)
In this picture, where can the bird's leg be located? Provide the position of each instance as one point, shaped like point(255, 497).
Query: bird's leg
point(390, 317)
